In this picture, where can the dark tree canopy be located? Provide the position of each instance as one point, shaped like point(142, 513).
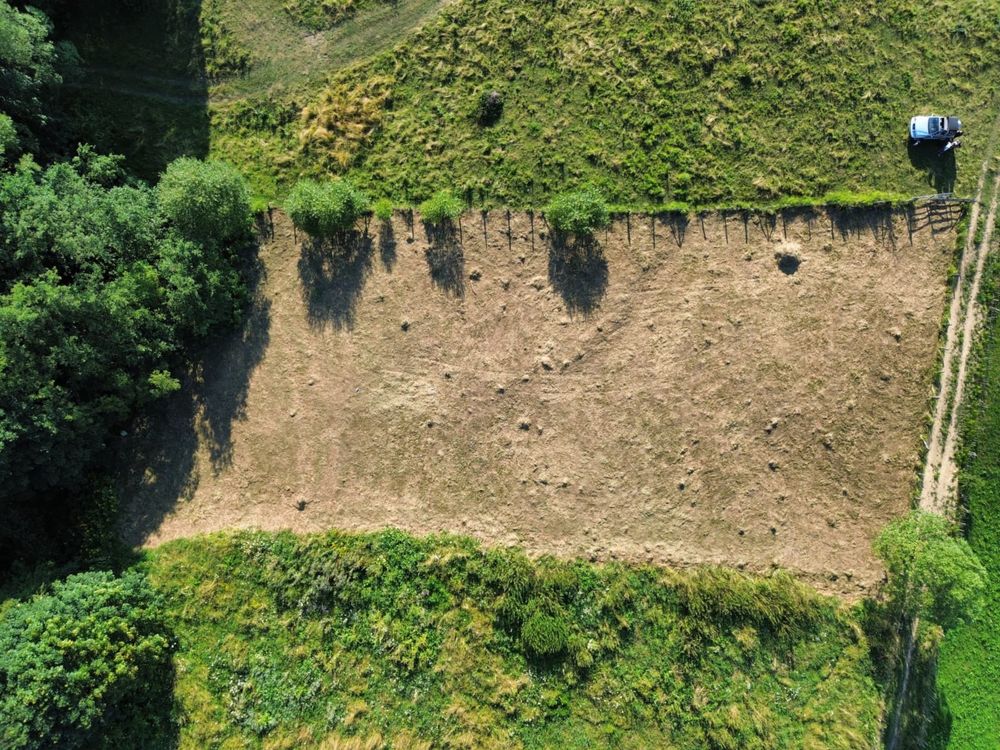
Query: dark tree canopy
point(31, 68)
point(99, 297)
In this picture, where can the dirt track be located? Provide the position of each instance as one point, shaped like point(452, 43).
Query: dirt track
point(681, 400)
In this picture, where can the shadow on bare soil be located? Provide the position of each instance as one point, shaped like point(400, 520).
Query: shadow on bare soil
point(445, 258)
point(856, 222)
point(160, 454)
point(333, 276)
point(387, 245)
point(578, 271)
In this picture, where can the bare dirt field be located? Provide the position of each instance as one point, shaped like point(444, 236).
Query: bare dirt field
point(684, 397)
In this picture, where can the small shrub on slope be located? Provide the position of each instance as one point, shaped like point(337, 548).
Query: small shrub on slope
point(325, 209)
point(205, 200)
point(441, 208)
point(578, 213)
point(383, 209)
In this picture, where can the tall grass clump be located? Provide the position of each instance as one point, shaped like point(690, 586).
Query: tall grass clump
point(442, 208)
point(325, 209)
point(578, 213)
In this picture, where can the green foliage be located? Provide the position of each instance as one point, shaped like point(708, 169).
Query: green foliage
point(284, 637)
point(97, 300)
point(932, 573)
point(970, 654)
point(578, 213)
point(78, 664)
point(325, 209)
point(441, 208)
point(8, 137)
point(30, 64)
point(207, 201)
point(544, 634)
point(383, 209)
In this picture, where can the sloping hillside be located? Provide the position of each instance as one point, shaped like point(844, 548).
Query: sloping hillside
point(652, 101)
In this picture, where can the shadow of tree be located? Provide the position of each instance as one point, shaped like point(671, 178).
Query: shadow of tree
point(333, 277)
point(387, 245)
point(159, 466)
point(578, 271)
point(939, 169)
point(445, 258)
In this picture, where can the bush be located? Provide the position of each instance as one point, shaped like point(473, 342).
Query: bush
point(441, 208)
point(932, 574)
point(544, 634)
point(578, 213)
point(489, 108)
point(80, 663)
point(205, 200)
point(325, 209)
point(383, 209)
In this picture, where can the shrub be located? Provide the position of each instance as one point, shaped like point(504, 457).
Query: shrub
point(325, 209)
point(544, 633)
point(489, 108)
point(80, 663)
point(932, 573)
point(441, 208)
point(383, 209)
point(205, 200)
point(578, 213)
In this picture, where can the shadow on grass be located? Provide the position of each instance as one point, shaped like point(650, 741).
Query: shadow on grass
point(939, 169)
point(578, 271)
point(920, 717)
point(333, 276)
point(445, 258)
point(144, 88)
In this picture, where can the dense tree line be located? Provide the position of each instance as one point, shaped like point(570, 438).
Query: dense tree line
point(105, 285)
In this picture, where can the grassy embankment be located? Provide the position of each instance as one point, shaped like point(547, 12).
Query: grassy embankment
point(384, 640)
point(699, 103)
point(969, 671)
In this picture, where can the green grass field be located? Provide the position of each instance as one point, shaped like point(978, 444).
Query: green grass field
point(969, 676)
point(370, 641)
point(653, 102)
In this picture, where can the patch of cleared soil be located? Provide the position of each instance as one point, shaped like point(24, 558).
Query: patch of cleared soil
point(748, 393)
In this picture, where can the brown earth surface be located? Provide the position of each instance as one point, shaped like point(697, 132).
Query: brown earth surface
point(678, 397)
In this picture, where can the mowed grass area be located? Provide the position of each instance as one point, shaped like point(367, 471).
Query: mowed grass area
point(969, 676)
point(653, 102)
point(386, 640)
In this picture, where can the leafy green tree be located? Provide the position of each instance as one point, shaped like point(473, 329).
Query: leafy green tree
point(325, 209)
point(932, 573)
point(206, 201)
point(30, 67)
point(578, 213)
point(79, 664)
point(8, 137)
point(99, 299)
point(441, 208)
